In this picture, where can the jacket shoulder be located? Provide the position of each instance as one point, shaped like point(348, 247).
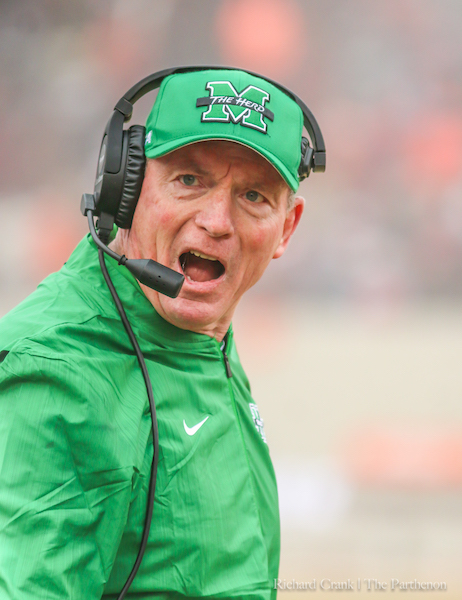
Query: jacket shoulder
point(66, 305)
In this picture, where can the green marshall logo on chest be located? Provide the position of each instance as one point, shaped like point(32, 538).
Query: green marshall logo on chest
point(226, 105)
point(257, 420)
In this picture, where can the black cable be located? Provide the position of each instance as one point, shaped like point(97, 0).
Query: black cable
point(102, 246)
point(155, 432)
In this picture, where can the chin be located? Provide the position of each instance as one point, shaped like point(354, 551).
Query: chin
point(188, 314)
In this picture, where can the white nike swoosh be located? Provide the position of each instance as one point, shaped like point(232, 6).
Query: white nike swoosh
point(193, 430)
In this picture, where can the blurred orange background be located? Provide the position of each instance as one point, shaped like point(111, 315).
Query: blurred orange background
point(352, 340)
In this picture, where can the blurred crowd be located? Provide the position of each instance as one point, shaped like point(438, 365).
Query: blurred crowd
point(384, 79)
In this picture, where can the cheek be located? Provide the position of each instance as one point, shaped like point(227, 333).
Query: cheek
point(265, 240)
point(151, 216)
point(164, 218)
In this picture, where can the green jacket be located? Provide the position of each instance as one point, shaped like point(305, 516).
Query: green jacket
point(76, 451)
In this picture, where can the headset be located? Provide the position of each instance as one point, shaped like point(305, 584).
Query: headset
point(121, 161)
point(119, 178)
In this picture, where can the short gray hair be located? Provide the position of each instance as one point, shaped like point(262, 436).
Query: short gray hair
point(290, 199)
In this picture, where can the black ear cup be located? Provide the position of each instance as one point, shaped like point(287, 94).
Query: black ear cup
point(306, 161)
point(134, 175)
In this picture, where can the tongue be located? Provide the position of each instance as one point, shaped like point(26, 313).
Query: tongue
point(201, 269)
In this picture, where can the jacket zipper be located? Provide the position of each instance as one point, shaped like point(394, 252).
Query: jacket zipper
point(225, 356)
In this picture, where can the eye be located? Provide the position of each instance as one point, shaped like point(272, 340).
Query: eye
point(254, 196)
point(189, 180)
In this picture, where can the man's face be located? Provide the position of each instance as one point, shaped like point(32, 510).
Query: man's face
point(218, 212)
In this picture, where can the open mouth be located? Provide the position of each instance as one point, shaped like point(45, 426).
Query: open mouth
point(198, 267)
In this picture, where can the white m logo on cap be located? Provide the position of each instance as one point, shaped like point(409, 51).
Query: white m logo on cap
point(227, 105)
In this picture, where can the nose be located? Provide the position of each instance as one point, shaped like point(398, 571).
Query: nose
point(215, 215)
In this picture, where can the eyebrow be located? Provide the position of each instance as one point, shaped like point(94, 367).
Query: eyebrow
point(184, 165)
point(266, 187)
point(190, 164)
point(262, 184)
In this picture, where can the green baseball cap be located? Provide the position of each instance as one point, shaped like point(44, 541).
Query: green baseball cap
point(227, 105)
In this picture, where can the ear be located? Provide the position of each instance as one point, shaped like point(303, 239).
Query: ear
point(293, 216)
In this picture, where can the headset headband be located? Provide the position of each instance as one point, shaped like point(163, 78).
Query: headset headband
point(152, 82)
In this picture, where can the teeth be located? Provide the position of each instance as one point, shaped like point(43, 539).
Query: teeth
point(202, 255)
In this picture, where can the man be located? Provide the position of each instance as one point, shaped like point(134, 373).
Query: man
point(217, 205)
